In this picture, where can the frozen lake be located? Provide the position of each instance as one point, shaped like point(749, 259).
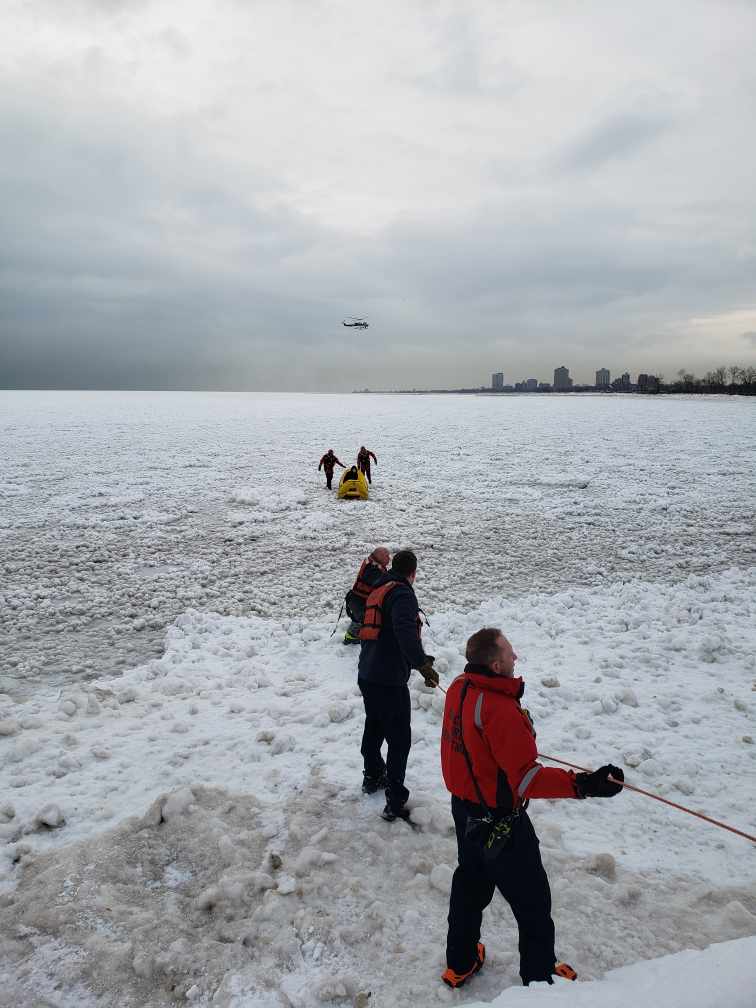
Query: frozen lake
point(122, 509)
point(181, 818)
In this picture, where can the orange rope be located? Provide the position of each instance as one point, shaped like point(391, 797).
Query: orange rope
point(648, 794)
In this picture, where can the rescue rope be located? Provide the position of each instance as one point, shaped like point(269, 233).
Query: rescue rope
point(649, 794)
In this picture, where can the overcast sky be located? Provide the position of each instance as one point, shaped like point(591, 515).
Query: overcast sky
point(195, 193)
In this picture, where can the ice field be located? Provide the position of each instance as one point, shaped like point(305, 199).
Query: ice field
point(180, 812)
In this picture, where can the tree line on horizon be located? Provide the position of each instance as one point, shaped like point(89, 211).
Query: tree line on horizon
point(733, 380)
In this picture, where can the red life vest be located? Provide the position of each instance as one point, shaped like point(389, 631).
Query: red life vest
point(361, 587)
point(372, 623)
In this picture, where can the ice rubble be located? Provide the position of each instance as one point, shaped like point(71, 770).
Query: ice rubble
point(151, 822)
point(262, 876)
point(212, 897)
point(123, 511)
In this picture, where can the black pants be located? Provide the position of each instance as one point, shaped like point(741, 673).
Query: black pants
point(365, 468)
point(520, 877)
point(329, 477)
point(387, 718)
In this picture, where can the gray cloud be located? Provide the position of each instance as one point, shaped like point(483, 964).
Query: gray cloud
point(202, 211)
point(620, 135)
point(457, 70)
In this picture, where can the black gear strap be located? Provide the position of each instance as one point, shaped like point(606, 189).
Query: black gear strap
point(489, 814)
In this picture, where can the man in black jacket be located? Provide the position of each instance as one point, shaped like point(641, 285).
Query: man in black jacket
point(391, 648)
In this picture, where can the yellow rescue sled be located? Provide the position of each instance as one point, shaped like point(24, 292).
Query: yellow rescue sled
point(353, 485)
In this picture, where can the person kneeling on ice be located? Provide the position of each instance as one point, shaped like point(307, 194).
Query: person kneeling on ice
point(391, 648)
point(488, 759)
point(371, 571)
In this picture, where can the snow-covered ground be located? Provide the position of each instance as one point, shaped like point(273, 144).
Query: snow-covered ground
point(191, 830)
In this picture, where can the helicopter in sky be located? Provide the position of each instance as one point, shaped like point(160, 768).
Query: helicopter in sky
point(355, 323)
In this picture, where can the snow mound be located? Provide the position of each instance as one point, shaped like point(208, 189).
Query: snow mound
point(723, 974)
point(161, 904)
point(218, 898)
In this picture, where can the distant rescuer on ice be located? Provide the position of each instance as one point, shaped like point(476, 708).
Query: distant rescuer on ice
point(488, 759)
point(327, 462)
point(363, 461)
point(391, 648)
point(371, 571)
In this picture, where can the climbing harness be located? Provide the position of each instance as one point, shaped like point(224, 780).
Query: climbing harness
point(491, 832)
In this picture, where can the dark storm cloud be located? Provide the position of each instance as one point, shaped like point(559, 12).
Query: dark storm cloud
point(188, 216)
point(114, 264)
point(574, 255)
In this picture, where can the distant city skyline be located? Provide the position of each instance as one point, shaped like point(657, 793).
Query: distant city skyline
point(722, 376)
point(562, 379)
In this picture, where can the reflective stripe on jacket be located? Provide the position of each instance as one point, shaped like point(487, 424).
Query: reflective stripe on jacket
point(500, 741)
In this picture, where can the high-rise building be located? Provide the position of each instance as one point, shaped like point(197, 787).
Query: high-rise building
point(497, 381)
point(603, 378)
point(562, 380)
point(531, 384)
point(625, 380)
point(648, 383)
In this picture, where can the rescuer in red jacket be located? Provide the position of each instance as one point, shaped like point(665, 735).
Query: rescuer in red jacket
point(327, 462)
point(489, 763)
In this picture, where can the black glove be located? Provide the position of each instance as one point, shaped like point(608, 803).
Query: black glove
point(428, 673)
point(597, 784)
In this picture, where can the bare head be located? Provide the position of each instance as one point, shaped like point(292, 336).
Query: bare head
point(381, 555)
point(491, 648)
point(405, 564)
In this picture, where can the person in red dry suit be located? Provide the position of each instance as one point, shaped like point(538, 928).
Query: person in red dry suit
point(363, 461)
point(489, 763)
point(327, 462)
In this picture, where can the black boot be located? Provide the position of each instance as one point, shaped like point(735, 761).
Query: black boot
point(372, 784)
point(390, 814)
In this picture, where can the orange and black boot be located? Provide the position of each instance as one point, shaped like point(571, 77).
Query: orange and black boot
point(453, 979)
point(563, 969)
point(560, 969)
